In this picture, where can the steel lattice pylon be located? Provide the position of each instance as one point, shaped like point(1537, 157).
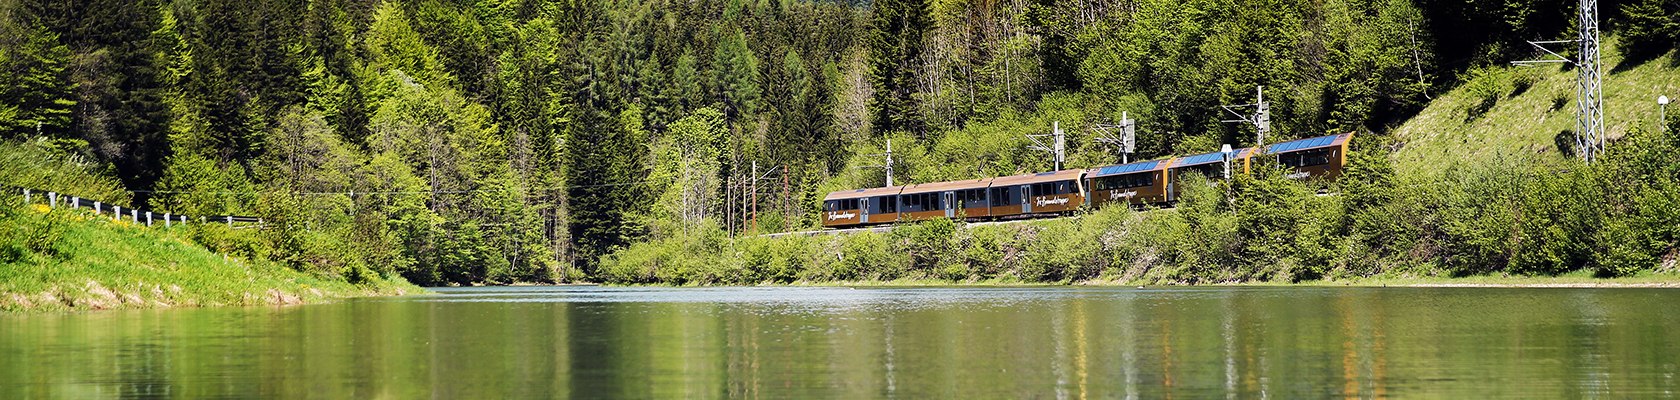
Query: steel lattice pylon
point(1590, 138)
point(1589, 101)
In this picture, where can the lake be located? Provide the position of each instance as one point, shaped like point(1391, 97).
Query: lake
point(805, 342)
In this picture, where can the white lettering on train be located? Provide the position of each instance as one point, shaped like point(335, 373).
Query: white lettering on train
point(1298, 175)
point(845, 215)
point(1056, 201)
point(1117, 195)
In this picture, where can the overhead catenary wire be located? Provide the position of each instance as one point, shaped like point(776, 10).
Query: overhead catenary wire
point(379, 192)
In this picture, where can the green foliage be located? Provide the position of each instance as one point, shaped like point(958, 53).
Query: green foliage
point(927, 243)
point(72, 259)
point(25, 237)
point(1651, 27)
point(737, 74)
point(35, 92)
point(687, 162)
point(896, 31)
point(460, 143)
point(35, 165)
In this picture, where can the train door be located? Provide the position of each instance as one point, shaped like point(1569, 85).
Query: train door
point(863, 209)
point(1026, 199)
point(1084, 191)
point(950, 204)
point(1172, 184)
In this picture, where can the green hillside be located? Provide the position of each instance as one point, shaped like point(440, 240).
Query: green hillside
point(63, 258)
point(66, 259)
point(1526, 112)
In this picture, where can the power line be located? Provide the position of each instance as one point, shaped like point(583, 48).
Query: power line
point(1057, 147)
point(373, 192)
point(888, 165)
point(1126, 139)
point(1261, 119)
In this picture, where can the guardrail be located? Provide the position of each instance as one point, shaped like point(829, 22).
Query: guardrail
point(117, 212)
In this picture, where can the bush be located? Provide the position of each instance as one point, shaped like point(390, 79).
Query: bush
point(987, 251)
point(926, 243)
point(26, 232)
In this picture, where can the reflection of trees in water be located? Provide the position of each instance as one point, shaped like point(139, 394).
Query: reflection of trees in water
point(1059, 342)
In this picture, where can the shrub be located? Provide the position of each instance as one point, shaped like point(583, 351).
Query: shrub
point(25, 232)
point(926, 243)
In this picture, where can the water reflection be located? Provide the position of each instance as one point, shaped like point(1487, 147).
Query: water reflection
point(1067, 343)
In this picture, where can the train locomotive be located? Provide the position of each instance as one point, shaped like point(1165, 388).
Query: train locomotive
point(1046, 194)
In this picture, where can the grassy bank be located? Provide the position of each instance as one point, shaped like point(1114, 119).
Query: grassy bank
point(1580, 279)
point(64, 259)
point(69, 260)
point(1649, 279)
point(1529, 112)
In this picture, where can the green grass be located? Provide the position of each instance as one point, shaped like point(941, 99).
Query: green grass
point(1582, 278)
point(66, 259)
point(32, 165)
point(79, 261)
point(1527, 123)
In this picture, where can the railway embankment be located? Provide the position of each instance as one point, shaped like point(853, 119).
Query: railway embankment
point(1480, 188)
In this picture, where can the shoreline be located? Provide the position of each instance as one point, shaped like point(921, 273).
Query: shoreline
point(1647, 281)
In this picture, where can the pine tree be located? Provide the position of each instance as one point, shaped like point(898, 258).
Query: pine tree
point(35, 90)
point(895, 45)
point(1651, 26)
point(737, 75)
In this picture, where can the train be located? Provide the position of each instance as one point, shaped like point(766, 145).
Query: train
point(1058, 193)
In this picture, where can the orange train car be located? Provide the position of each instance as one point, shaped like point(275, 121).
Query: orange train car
point(1063, 192)
point(861, 207)
point(960, 199)
point(1057, 192)
point(1139, 183)
point(1323, 157)
point(1210, 165)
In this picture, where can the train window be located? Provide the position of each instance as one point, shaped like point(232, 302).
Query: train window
point(974, 197)
point(1306, 158)
point(921, 202)
point(882, 205)
point(1043, 189)
point(1316, 157)
point(1125, 181)
point(831, 205)
point(1211, 171)
point(1006, 196)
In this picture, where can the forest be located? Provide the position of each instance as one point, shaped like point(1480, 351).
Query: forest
point(463, 142)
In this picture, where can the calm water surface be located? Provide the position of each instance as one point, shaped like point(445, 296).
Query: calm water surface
point(869, 343)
